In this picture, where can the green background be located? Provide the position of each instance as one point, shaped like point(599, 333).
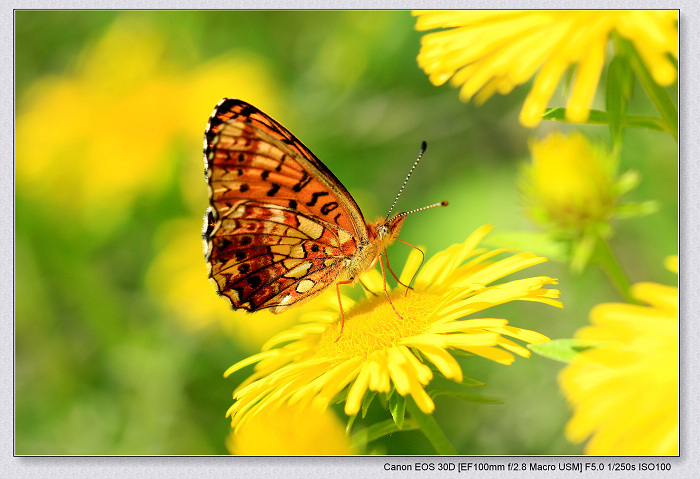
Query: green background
point(102, 366)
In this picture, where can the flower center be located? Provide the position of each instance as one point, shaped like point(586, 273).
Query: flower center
point(373, 324)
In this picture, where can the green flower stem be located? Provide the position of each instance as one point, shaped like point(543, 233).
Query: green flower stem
point(430, 427)
point(608, 262)
point(658, 95)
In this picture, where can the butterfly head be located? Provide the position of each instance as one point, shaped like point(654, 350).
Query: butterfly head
point(388, 229)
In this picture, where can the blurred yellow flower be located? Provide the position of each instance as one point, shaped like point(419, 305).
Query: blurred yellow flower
point(278, 432)
point(570, 183)
point(313, 362)
point(494, 51)
point(92, 140)
point(177, 280)
point(625, 390)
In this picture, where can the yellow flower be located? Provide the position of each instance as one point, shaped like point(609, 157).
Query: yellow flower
point(312, 363)
point(625, 391)
point(570, 183)
point(277, 432)
point(494, 51)
point(177, 280)
point(108, 131)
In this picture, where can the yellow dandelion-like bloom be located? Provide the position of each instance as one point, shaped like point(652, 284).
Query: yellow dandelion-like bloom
point(277, 432)
point(625, 390)
point(117, 119)
point(177, 281)
point(493, 51)
point(312, 363)
point(570, 183)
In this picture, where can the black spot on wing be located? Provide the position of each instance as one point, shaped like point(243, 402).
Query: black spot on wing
point(315, 197)
point(273, 191)
point(254, 281)
point(328, 207)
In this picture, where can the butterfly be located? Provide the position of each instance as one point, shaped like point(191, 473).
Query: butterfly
point(280, 227)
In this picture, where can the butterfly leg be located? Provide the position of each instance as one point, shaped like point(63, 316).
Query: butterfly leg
point(419, 266)
point(340, 305)
point(386, 256)
point(386, 293)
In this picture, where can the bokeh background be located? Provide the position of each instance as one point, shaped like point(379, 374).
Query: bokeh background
point(121, 342)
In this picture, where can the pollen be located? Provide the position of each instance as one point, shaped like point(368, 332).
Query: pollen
point(373, 324)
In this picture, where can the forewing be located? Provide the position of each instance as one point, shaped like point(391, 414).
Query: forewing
point(280, 223)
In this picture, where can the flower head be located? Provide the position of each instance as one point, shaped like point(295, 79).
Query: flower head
point(176, 281)
point(114, 127)
point(625, 390)
point(380, 351)
point(572, 188)
point(494, 51)
point(276, 432)
point(570, 183)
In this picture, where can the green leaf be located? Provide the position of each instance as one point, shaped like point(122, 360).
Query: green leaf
point(397, 406)
point(471, 382)
point(657, 94)
point(430, 428)
point(564, 350)
point(598, 117)
point(380, 429)
point(440, 383)
point(469, 397)
point(443, 387)
point(618, 90)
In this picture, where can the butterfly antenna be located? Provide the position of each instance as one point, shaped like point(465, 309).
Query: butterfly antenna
point(423, 146)
point(406, 213)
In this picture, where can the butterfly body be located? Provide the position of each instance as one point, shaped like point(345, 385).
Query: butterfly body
point(381, 234)
point(281, 227)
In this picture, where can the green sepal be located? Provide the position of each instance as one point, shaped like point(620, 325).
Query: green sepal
point(341, 396)
point(366, 401)
point(581, 252)
point(349, 424)
point(627, 181)
point(458, 353)
point(390, 393)
point(634, 210)
point(564, 350)
point(397, 406)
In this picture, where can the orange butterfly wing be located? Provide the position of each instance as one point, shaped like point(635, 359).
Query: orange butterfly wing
point(280, 226)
